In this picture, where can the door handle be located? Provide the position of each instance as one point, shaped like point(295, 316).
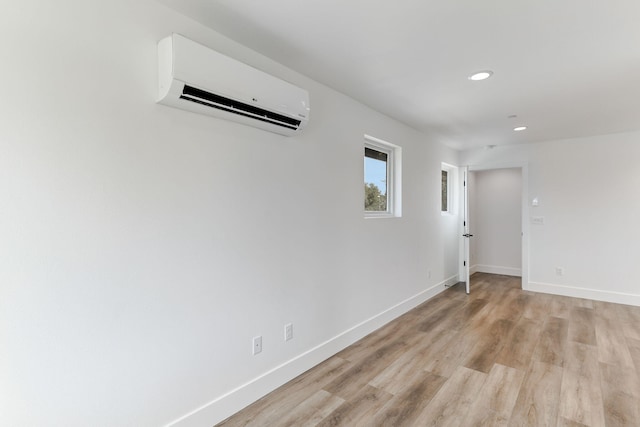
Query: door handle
point(467, 235)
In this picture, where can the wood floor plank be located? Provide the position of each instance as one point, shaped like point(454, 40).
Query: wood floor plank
point(634, 351)
point(496, 399)
point(468, 313)
point(607, 310)
point(459, 318)
point(629, 320)
point(359, 410)
point(537, 307)
point(476, 322)
point(436, 318)
point(445, 362)
point(405, 407)
point(622, 378)
point(312, 410)
point(380, 338)
point(280, 402)
point(395, 377)
point(560, 306)
point(563, 422)
point(447, 301)
point(582, 326)
point(473, 326)
point(520, 344)
point(450, 405)
point(537, 359)
point(512, 307)
point(620, 395)
point(581, 393)
point(483, 355)
point(553, 340)
point(356, 377)
point(612, 344)
point(537, 402)
point(582, 302)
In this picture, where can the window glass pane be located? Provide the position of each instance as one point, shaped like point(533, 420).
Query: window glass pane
point(375, 180)
point(445, 191)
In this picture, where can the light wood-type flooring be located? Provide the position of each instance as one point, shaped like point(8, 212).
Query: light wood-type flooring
point(498, 357)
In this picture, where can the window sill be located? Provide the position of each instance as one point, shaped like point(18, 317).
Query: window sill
point(371, 215)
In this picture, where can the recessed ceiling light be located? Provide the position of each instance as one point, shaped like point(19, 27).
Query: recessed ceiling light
point(480, 75)
point(520, 128)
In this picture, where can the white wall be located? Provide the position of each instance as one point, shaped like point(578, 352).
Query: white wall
point(587, 190)
point(495, 215)
point(143, 247)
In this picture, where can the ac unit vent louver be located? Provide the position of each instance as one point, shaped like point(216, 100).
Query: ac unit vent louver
point(216, 101)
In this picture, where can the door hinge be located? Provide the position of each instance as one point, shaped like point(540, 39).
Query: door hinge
point(464, 263)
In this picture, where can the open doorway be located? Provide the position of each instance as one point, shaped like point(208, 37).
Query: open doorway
point(493, 238)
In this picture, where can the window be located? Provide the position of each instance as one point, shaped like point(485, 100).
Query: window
point(376, 176)
point(448, 189)
point(381, 178)
point(445, 191)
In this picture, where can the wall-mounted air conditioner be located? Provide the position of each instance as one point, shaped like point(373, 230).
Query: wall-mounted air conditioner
point(195, 78)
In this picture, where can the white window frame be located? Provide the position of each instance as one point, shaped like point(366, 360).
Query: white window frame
point(394, 177)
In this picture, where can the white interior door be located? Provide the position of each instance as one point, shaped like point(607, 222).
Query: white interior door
point(466, 234)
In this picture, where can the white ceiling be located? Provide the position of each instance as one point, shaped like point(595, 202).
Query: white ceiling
point(566, 68)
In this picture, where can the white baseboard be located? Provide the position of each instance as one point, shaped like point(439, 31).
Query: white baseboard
point(228, 404)
point(495, 269)
point(577, 292)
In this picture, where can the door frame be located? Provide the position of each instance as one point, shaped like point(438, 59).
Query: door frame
point(466, 226)
point(524, 167)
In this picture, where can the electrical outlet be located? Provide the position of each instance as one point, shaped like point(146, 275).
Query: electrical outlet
point(559, 271)
point(288, 331)
point(257, 345)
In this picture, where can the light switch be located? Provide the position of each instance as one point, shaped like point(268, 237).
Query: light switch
point(534, 202)
point(537, 220)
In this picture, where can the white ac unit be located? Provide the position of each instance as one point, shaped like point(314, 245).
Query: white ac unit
point(195, 78)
